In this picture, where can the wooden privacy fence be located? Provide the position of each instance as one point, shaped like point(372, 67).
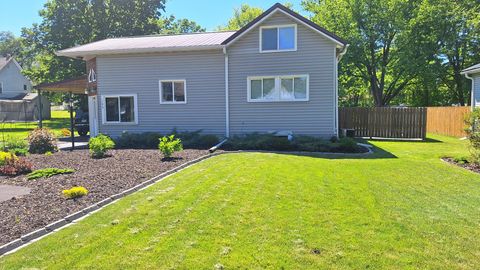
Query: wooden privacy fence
point(400, 123)
point(447, 120)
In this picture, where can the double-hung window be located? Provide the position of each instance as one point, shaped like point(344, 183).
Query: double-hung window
point(278, 88)
point(119, 109)
point(278, 38)
point(173, 92)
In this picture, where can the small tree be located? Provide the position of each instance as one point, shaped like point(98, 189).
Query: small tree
point(100, 145)
point(473, 133)
point(168, 145)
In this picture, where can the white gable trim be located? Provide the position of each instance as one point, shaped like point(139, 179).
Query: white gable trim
point(339, 44)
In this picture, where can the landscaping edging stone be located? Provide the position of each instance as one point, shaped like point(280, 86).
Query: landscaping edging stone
point(72, 218)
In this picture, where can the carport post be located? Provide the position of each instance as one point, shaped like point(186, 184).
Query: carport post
point(72, 134)
point(40, 106)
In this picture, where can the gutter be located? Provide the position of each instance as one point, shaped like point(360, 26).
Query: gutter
point(339, 57)
point(227, 105)
point(472, 101)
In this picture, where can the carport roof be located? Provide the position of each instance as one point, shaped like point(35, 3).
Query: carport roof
point(76, 86)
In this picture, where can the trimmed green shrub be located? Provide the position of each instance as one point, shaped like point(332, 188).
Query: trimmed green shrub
point(99, 145)
point(196, 140)
point(169, 144)
point(269, 142)
point(48, 172)
point(41, 140)
point(18, 147)
point(147, 140)
point(75, 192)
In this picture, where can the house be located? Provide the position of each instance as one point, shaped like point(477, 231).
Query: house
point(17, 103)
point(276, 74)
point(12, 81)
point(473, 73)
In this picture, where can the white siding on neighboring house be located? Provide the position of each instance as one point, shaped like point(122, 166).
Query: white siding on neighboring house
point(13, 81)
point(203, 72)
point(315, 56)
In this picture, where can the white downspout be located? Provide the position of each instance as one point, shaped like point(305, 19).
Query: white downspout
point(473, 91)
point(339, 57)
point(227, 105)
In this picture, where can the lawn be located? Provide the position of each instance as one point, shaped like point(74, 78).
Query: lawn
point(401, 208)
point(20, 130)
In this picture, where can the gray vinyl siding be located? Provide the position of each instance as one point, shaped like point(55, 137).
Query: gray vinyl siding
point(476, 78)
point(140, 74)
point(315, 56)
point(13, 81)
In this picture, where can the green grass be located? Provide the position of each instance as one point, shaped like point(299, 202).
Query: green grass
point(402, 208)
point(20, 130)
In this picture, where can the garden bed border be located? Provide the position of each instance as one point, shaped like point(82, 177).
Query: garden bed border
point(34, 236)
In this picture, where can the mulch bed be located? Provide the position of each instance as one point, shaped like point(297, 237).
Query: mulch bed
point(469, 166)
point(102, 177)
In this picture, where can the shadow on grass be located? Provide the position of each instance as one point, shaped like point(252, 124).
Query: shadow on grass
point(427, 140)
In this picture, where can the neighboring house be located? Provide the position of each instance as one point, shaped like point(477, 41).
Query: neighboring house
point(278, 73)
point(12, 81)
point(17, 103)
point(473, 73)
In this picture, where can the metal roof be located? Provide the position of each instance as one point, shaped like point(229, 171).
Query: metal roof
point(197, 41)
point(472, 69)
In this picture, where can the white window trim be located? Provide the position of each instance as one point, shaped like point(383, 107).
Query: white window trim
point(92, 76)
point(104, 110)
point(173, 89)
point(278, 38)
point(277, 87)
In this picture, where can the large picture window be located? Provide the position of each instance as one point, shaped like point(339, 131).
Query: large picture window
point(120, 109)
point(278, 38)
point(278, 88)
point(173, 91)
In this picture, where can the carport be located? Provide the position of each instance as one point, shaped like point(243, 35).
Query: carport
point(71, 86)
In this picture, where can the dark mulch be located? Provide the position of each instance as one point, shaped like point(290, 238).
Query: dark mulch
point(469, 166)
point(102, 177)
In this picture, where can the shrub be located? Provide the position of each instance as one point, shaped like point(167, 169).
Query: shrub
point(18, 147)
point(461, 160)
point(5, 156)
point(48, 153)
point(473, 134)
point(168, 145)
point(75, 192)
point(196, 140)
point(269, 142)
point(15, 166)
point(41, 140)
point(66, 132)
point(100, 145)
point(48, 172)
point(147, 140)
point(347, 145)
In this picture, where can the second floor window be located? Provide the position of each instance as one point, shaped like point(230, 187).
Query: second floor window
point(278, 38)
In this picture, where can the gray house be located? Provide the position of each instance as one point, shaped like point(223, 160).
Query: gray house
point(473, 73)
point(17, 103)
point(12, 81)
point(278, 73)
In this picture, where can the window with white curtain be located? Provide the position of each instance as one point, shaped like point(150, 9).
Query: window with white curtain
point(278, 88)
